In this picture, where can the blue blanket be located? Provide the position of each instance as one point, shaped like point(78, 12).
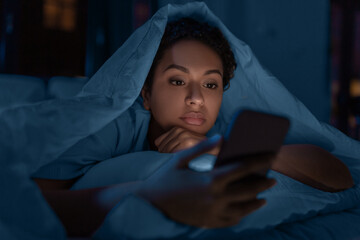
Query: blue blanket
point(35, 135)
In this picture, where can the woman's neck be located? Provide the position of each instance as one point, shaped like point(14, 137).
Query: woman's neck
point(153, 133)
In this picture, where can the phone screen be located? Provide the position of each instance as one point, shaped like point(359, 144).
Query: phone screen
point(251, 133)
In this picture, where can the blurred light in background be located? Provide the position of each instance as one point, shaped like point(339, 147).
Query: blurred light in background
point(60, 14)
point(141, 13)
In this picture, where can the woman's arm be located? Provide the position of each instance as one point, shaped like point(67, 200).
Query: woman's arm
point(80, 211)
point(219, 198)
point(313, 166)
point(306, 163)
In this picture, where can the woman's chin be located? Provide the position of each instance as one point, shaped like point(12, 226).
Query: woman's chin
point(202, 130)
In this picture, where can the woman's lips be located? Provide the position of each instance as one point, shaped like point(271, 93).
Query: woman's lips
point(193, 118)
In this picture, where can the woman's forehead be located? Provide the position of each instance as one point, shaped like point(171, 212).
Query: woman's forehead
point(191, 54)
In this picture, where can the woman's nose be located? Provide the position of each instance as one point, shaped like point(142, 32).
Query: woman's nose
point(194, 96)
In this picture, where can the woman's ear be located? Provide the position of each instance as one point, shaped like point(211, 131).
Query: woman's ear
point(146, 98)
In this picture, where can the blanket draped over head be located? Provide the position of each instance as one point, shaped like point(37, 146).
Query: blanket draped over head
point(32, 136)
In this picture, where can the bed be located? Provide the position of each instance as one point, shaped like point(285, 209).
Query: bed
point(33, 135)
point(293, 210)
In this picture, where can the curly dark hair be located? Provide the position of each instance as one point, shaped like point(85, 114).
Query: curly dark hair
point(188, 28)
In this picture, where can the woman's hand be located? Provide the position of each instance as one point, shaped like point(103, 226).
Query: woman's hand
point(177, 139)
point(219, 198)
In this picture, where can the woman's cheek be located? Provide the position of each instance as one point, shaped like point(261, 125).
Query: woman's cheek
point(214, 103)
point(166, 108)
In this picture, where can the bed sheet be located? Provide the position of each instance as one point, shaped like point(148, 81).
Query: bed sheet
point(343, 225)
point(294, 210)
point(339, 220)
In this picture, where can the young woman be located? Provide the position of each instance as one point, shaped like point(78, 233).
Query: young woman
point(182, 97)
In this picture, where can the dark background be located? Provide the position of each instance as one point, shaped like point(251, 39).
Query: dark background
point(313, 47)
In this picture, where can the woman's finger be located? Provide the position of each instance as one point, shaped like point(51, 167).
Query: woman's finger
point(167, 137)
point(232, 214)
point(237, 211)
point(247, 190)
point(161, 138)
point(171, 145)
point(238, 170)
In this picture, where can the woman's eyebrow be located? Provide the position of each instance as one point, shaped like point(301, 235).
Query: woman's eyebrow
point(181, 68)
point(213, 71)
point(185, 70)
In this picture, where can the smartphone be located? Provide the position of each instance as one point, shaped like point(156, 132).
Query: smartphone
point(251, 133)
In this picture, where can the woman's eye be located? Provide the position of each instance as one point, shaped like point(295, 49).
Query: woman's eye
point(211, 85)
point(177, 82)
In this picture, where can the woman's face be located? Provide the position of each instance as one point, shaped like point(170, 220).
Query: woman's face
point(187, 88)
